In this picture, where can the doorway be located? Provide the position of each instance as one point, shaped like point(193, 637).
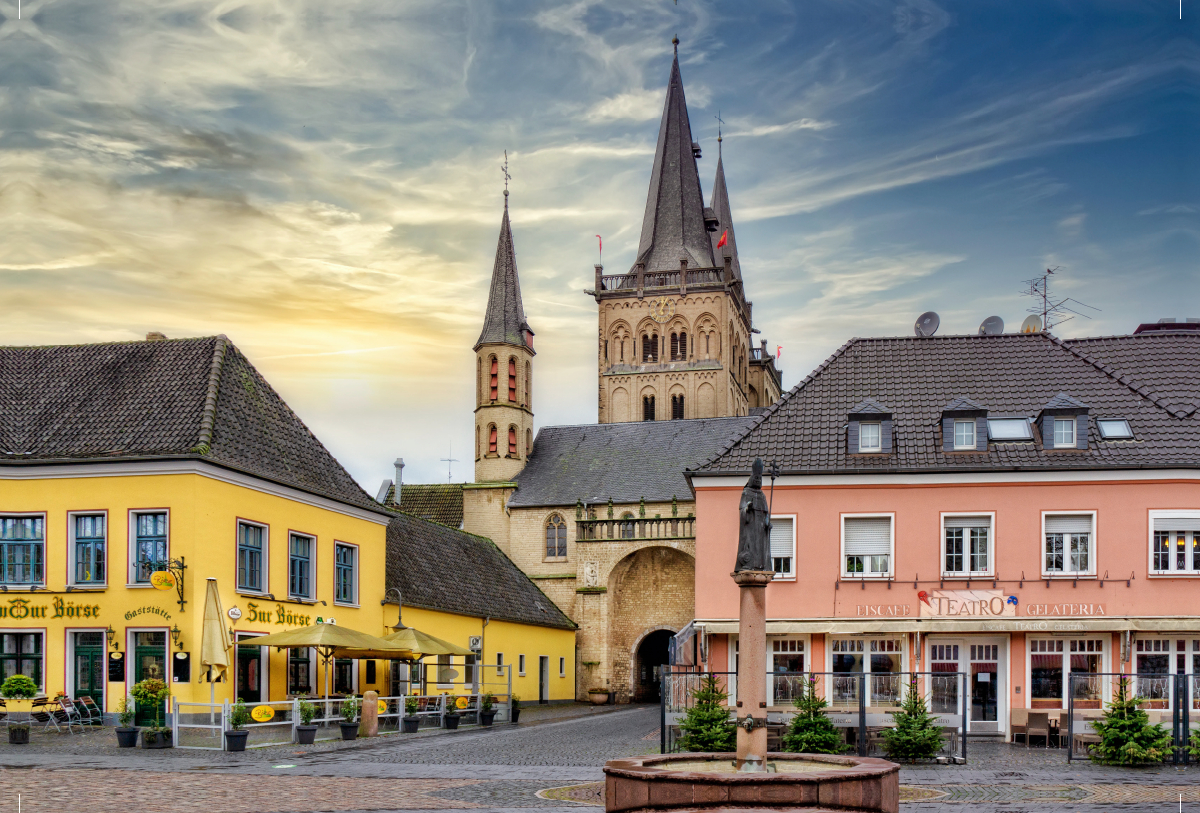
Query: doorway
point(652, 656)
point(249, 671)
point(150, 661)
point(543, 679)
point(985, 683)
point(985, 664)
point(87, 679)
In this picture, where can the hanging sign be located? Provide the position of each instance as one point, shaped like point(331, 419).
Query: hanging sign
point(262, 714)
point(162, 580)
point(235, 612)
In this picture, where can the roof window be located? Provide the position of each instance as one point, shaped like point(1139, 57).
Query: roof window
point(1114, 429)
point(963, 426)
point(1064, 423)
point(1001, 429)
point(870, 428)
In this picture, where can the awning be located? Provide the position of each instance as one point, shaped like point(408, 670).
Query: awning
point(850, 626)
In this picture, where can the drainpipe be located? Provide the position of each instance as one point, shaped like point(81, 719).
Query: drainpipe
point(399, 464)
point(487, 619)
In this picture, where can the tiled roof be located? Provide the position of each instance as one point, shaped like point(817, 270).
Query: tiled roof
point(1166, 364)
point(624, 462)
point(436, 502)
point(446, 569)
point(504, 320)
point(1064, 401)
point(1009, 374)
point(962, 405)
point(869, 406)
point(176, 398)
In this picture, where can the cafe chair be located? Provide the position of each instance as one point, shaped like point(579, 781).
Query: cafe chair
point(41, 711)
point(67, 713)
point(1038, 725)
point(89, 712)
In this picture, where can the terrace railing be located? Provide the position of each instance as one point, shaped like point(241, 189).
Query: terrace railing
point(605, 530)
point(1172, 701)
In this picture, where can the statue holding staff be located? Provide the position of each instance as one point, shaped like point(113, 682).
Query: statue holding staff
point(754, 533)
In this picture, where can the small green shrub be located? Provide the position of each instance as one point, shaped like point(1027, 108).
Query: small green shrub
point(19, 687)
point(239, 715)
point(125, 713)
point(350, 708)
point(410, 706)
point(811, 731)
point(916, 735)
point(706, 726)
point(1126, 736)
point(308, 712)
point(515, 699)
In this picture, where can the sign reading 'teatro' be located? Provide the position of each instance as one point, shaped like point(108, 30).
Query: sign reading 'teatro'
point(966, 604)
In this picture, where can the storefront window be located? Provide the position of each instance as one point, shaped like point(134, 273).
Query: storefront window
point(1086, 657)
point(1046, 674)
point(343, 676)
point(787, 662)
point(1153, 662)
point(879, 657)
point(944, 682)
point(299, 671)
point(21, 654)
point(1051, 660)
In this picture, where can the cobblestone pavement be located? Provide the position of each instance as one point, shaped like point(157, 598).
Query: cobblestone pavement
point(551, 762)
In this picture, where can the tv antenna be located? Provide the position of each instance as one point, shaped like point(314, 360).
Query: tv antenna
point(1052, 311)
point(449, 461)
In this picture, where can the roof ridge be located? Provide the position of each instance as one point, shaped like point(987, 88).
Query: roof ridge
point(1127, 380)
point(639, 423)
point(209, 415)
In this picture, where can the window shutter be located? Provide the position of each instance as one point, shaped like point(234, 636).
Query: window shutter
point(969, 522)
point(1081, 430)
point(781, 536)
point(947, 434)
point(868, 535)
point(1177, 523)
point(1047, 427)
point(981, 434)
point(885, 437)
point(1068, 524)
point(852, 437)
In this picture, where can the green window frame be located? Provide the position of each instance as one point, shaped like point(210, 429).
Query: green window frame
point(300, 552)
point(345, 567)
point(21, 653)
point(90, 548)
point(150, 545)
point(250, 543)
point(22, 550)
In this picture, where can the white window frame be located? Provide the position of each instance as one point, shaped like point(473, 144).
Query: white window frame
point(71, 515)
point(562, 667)
point(1103, 436)
point(866, 574)
point(357, 572)
point(964, 422)
point(878, 447)
point(1093, 548)
point(991, 551)
point(266, 559)
point(1028, 436)
point(1068, 420)
point(788, 576)
point(1151, 571)
point(521, 666)
point(1105, 662)
point(499, 663)
point(131, 548)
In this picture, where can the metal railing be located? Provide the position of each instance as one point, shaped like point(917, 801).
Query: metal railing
point(598, 530)
point(1172, 701)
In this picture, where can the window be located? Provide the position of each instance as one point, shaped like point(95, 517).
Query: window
point(1175, 544)
point(867, 546)
point(964, 434)
point(1064, 433)
point(627, 527)
point(1114, 429)
point(1153, 666)
point(783, 546)
point(300, 672)
point(21, 654)
point(1051, 659)
point(521, 665)
point(22, 550)
point(647, 407)
point(683, 346)
point(649, 348)
point(879, 657)
point(562, 667)
point(674, 346)
point(1000, 429)
point(343, 676)
point(345, 573)
point(512, 441)
point(512, 380)
point(150, 545)
point(676, 407)
point(1069, 541)
point(499, 663)
point(556, 537)
point(968, 545)
point(492, 439)
point(529, 382)
point(250, 539)
point(88, 548)
point(300, 566)
point(869, 437)
point(494, 383)
point(528, 442)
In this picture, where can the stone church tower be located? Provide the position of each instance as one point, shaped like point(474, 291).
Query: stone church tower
point(675, 331)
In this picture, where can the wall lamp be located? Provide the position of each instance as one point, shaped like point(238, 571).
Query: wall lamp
point(112, 636)
point(175, 632)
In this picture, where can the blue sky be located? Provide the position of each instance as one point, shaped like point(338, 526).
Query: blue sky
point(321, 182)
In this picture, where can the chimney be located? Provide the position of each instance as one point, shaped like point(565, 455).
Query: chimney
point(155, 336)
point(399, 464)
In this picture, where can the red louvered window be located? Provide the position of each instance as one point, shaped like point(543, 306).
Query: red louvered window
point(492, 439)
point(512, 441)
point(495, 383)
point(512, 381)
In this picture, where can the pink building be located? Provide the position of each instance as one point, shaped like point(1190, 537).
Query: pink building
point(1017, 508)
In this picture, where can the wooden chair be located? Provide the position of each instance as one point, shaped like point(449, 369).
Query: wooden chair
point(1018, 720)
point(1038, 725)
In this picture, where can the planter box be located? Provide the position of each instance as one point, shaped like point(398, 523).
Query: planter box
point(18, 734)
point(486, 717)
point(127, 737)
point(598, 698)
point(156, 739)
point(306, 734)
point(236, 740)
point(516, 715)
point(349, 730)
point(452, 721)
point(409, 725)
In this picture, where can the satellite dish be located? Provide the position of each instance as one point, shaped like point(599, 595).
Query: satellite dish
point(992, 326)
point(1032, 324)
point(927, 324)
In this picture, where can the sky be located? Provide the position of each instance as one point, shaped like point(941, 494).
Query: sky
point(321, 181)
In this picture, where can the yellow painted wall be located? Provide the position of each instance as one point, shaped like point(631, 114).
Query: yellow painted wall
point(512, 640)
point(203, 515)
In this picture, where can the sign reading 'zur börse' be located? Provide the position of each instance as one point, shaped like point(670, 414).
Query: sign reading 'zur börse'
point(966, 604)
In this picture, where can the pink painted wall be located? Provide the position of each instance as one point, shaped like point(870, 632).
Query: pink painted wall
point(1121, 548)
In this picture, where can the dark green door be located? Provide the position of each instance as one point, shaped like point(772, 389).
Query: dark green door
point(249, 672)
point(89, 666)
point(150, 661)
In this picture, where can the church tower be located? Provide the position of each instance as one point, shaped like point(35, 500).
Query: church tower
point(503, 372)
point(675, 331)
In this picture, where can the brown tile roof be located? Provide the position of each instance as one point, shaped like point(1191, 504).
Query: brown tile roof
point(1167, 364)
point(1009, 374)
point(436, 502)
point(176, 398)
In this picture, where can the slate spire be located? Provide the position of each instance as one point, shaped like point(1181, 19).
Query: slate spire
point(504, 321)
point(720, 207)
point(674, 226)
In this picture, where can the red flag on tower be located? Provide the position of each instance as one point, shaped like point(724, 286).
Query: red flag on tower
point(778, 350)
point(724, 238)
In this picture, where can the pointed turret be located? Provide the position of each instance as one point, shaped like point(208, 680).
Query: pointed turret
point(675, 226)
point(504, 321)
point(720, 207)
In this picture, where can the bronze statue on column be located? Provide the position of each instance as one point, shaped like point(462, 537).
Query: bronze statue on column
point(754, 534)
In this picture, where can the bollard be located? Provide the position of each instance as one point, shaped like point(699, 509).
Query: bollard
point(368, 725)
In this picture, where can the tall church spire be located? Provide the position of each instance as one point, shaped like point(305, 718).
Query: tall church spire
point(504, 321)
point(720, 207)
point(675, 226)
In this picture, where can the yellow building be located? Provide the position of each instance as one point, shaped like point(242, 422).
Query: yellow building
point(118, 461)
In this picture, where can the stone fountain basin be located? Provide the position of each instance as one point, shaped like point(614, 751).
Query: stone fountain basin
point(707, 782)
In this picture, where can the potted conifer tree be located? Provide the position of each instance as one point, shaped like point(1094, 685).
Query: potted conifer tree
point(239, 716)
point(127, 732)
point(917, 734)
point(306, 732)
point(811, 731)
point(1126, 735)
point(349, 723)
point(19, 687)
point(706, 726)
point(410, 722)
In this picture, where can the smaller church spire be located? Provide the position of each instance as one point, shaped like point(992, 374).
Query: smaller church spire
point(504, 321)
point(724, 233)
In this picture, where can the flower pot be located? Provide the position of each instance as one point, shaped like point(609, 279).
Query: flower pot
point(236, 740)
point(18, 734)
point(486, 717)
point(452, 721)
point(127, 737)
point(516, 715)
point(306, 734)
point(349, 730)
point(598, 698)
point(408, 725)
point(156, 739)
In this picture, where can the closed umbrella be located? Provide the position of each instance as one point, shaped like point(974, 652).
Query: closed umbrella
point(332, 641)
point(214, 638)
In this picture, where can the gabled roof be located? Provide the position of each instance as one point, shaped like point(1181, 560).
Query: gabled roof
point(504, 320)
point(437, 502)
point(1064, 401)
point(1015, 374)
point(1164, 364)
point(961, 404)
point(174, 398)
point(720, 207)
point(673, 227)
point(624, 462)
point(869, 406)
point(440, 568)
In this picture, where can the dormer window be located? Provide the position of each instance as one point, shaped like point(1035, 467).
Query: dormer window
point(964, 434)
point(964, 426)
point(1114, 429)
point(1064, 423)
point(1064, 433)
point(870, 429)
point(869, 437)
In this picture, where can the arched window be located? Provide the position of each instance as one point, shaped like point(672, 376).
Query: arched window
point(647, 407)
point(478, 385)
point(528, 442)
point(528, 385)
point(478, 451)
point(676, 407)
point(512, 380)
point(683, 346)
point(494, 385)
point(492, 439)
point(627, 525)
point(556, 537)
point(512, 441)
point(645, 348)
point(674, 346)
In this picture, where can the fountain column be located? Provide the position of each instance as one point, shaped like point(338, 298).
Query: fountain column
point(752, 669)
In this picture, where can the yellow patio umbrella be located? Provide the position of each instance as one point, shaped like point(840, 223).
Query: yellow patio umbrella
point(422, 643)
point(214, 637)
point(332, 641)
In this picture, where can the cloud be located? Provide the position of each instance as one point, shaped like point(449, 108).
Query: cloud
point(637, 105)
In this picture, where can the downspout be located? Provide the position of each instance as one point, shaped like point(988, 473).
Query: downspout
point(482, 642)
